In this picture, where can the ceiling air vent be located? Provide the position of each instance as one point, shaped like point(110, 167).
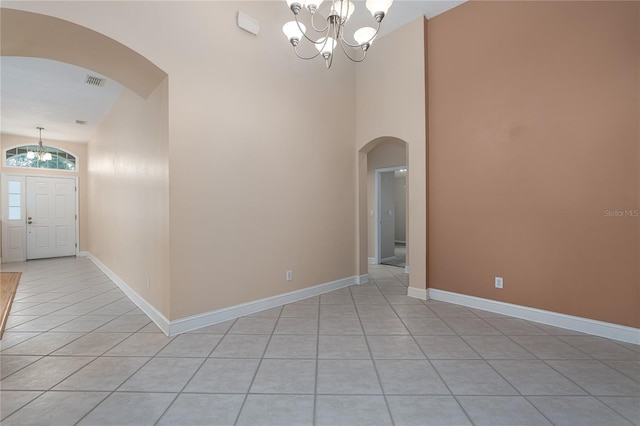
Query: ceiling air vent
point(81, 122)
point(94, 81)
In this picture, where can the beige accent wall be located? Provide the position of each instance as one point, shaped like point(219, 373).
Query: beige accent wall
point(390, 102)
point(534, 136)
point(128, 185)
point(390, 153)
point(262, 161)
point(79, 150)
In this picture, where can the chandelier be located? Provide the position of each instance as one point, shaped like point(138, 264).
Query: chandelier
point(41, 153)
point(331, 33)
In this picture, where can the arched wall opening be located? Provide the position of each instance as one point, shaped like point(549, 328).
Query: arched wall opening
point(414, 241)
point(42, 36)
point(390, 153)
point(124, 198)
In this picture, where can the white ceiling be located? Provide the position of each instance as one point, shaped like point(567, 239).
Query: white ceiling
point(40, 92)
point(44, 93)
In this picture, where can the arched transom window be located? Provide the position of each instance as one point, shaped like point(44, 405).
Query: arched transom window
point(47, 158)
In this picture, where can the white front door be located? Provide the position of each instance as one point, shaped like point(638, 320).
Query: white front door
point(51, 217)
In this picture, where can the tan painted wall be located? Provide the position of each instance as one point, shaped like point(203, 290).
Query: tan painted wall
point(128, 184)
point(262, 162)
point(533, 135)
point(78, 149)
point(388, 154)
point(390, 96)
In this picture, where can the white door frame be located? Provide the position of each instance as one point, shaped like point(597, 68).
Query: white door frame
point(378, 209)
point(4, 176)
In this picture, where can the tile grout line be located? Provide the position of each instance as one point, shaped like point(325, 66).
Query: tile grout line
point(314, 419)
point(194, 373)
point(246, 396)
point(110, 393)
point(616, 411)
point(375, 367)
point(387, 290)
point(498, 373)
point(428, 360)
point(68, 306)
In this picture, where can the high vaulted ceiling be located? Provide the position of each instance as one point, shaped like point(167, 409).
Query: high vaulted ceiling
point(38, 92)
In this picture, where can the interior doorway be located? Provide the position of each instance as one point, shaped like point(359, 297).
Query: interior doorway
point(391, 216)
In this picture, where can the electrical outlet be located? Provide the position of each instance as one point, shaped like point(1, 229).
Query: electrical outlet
point(289, 275)
point(499, 282)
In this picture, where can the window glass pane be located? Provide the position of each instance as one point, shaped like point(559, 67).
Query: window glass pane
point(14, 200)
point(60, 160)
point(14, 187)
point(14, 213)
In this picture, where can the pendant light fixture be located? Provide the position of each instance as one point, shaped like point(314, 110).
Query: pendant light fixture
point(41, 154)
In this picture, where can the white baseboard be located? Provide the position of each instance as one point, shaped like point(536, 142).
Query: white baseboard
point(406, 269)
point(83, 253)
point(584, 325)
point(418, 293)
point(388, 259)
point(183, 325)
point(362, 279)
point(194, 322)
point(155, 316)
point(373, 261)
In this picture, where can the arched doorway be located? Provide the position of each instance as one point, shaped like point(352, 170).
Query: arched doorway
point(386, 203)
point(120, 172)
point(417, 212)
point(380, 153)
point(37, 37)
point(42, 36)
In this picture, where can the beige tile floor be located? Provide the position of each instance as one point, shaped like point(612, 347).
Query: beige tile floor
point(77, 351)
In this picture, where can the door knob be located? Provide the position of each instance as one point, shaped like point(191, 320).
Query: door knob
point(29, 222)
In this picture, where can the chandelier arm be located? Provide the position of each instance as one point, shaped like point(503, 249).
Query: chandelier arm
point(338, 31)
point(364, 54)
point(307, 37)
point(295, 50)
point(313, 24)
point(347, 13)
point(368, 41)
